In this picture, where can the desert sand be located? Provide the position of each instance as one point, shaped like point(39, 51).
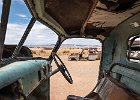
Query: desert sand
point(84, 74)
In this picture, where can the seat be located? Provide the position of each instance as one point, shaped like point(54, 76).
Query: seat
point(130, 78)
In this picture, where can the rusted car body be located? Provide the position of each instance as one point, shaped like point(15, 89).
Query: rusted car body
point(93, 54)
point(90, 55)
point(113, 22)
point(74, 56)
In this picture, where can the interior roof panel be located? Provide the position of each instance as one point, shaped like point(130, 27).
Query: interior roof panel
point(70, 14)
point(73, 17)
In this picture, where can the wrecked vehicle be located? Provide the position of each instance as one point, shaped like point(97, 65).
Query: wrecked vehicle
point(92, 54)
point(77, 56)
point(74, 56)
point(113, 22)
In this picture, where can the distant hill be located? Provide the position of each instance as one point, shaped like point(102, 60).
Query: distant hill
point(67, 46)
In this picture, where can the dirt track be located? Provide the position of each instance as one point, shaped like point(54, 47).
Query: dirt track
point(84, 74)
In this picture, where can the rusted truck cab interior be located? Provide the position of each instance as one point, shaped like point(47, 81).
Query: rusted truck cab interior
point(116, 23)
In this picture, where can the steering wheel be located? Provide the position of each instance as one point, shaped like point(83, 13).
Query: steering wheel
point(62, 68)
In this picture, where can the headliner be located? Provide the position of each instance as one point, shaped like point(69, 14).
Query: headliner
point(78, 17)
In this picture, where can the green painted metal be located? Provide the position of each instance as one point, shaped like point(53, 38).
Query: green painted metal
point(30, 82)
point(27, 72)
point(115, 46)
point(133, 74)
point(129, 78)
point(115, 51)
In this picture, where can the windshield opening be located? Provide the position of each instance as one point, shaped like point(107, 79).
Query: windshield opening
point(81, 57)
point(40, 40)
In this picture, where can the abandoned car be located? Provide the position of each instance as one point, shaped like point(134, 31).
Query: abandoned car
point(116, 23)
point(89, 54)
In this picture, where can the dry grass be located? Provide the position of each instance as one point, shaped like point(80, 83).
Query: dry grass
point(62, 51)
point(41, 52)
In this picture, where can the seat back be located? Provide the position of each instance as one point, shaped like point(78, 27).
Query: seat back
point(130, 78)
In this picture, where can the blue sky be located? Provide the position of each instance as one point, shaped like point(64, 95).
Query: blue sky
point(39, 35)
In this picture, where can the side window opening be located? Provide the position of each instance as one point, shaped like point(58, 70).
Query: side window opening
point(18, 20)
point(133, 52)
point(41, 40)
point(39, 37)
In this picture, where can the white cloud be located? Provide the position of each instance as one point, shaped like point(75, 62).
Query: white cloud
point(39, 35)
point(22, 15)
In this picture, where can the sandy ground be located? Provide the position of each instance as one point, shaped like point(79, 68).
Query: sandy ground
point(84, 74)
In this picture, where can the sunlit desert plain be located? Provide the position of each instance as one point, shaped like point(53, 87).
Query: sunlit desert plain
point(84, 74)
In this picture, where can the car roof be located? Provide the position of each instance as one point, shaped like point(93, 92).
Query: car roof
point(81, 18)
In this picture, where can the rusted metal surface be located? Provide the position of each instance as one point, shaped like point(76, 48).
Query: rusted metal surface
point(102, 14)
point(71, 11)
point(74, 56)
point(90, 54)
point(79, 12)
point(108, 90)
point(114, 5)
point(92, 7)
